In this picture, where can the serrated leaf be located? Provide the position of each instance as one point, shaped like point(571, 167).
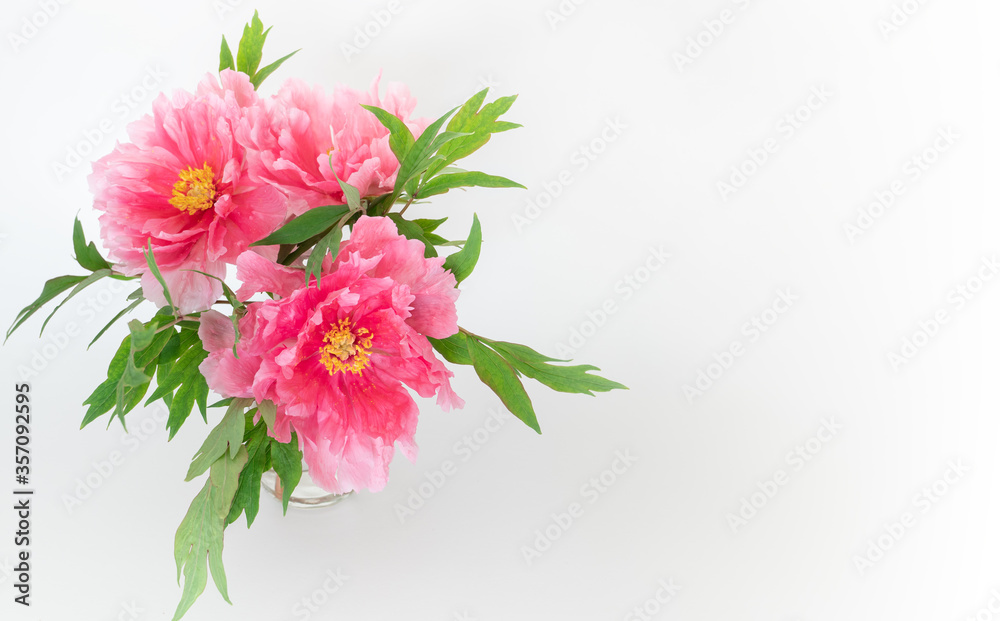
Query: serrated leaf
point(410, 230)
point(201, 533)
point(496, 373)
point(227, 436)
point(309, 224)
point(400, 136)
point(443, 183)
point(251, 48)
point(87, 255)
point(463, 262)
point(51, 288)
point(263, 74)
point(226, 56)
point(286, 459)
point(454, 349)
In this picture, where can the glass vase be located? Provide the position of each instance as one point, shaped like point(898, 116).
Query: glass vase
point(306, 494)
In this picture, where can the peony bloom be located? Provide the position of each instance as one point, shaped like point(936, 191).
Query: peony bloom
point(304, 139)
point(335, 358)
point(182, 182)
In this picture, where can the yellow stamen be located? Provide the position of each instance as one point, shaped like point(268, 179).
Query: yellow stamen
point(195, 191)
point(346, 349)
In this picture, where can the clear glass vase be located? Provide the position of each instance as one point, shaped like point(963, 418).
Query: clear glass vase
point(306, 494)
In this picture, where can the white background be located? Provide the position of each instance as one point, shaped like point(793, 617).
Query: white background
point(686, 125)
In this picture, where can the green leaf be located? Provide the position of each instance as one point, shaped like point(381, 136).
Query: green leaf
point(314, 263)
point(572, 379)
point(411, 230)
point(400, 136)
point(201, 533)
point(286, 459)
point(51, 289)
point(151, 262)
point(103, 397)
point(142, 334)
point(443, 183)
point(227, 436)
point(128, 309)
point(269, 412)
point(454, 349)
point(87, 255)
point(238, 309)
point(226, 57)
point(429, 226)
point(247, 498)
point(307, 225)
point(251, 48)
point(183, 370)
point(464, 261)
point(496, 373)
point(417, 158)
point(351, 194)
point(181, 405)
point(201, 395)
point(479, 124)
point(83, 284)
point(263, 74)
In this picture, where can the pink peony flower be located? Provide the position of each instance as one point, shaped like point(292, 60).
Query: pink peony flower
point(336, 358)
point(303, 137)
point(182, 183)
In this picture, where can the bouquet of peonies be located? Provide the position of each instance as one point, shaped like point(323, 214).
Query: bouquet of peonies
point(343, 305)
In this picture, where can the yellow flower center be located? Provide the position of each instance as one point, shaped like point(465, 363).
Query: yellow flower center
point(195, 190)
point(346, 348)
